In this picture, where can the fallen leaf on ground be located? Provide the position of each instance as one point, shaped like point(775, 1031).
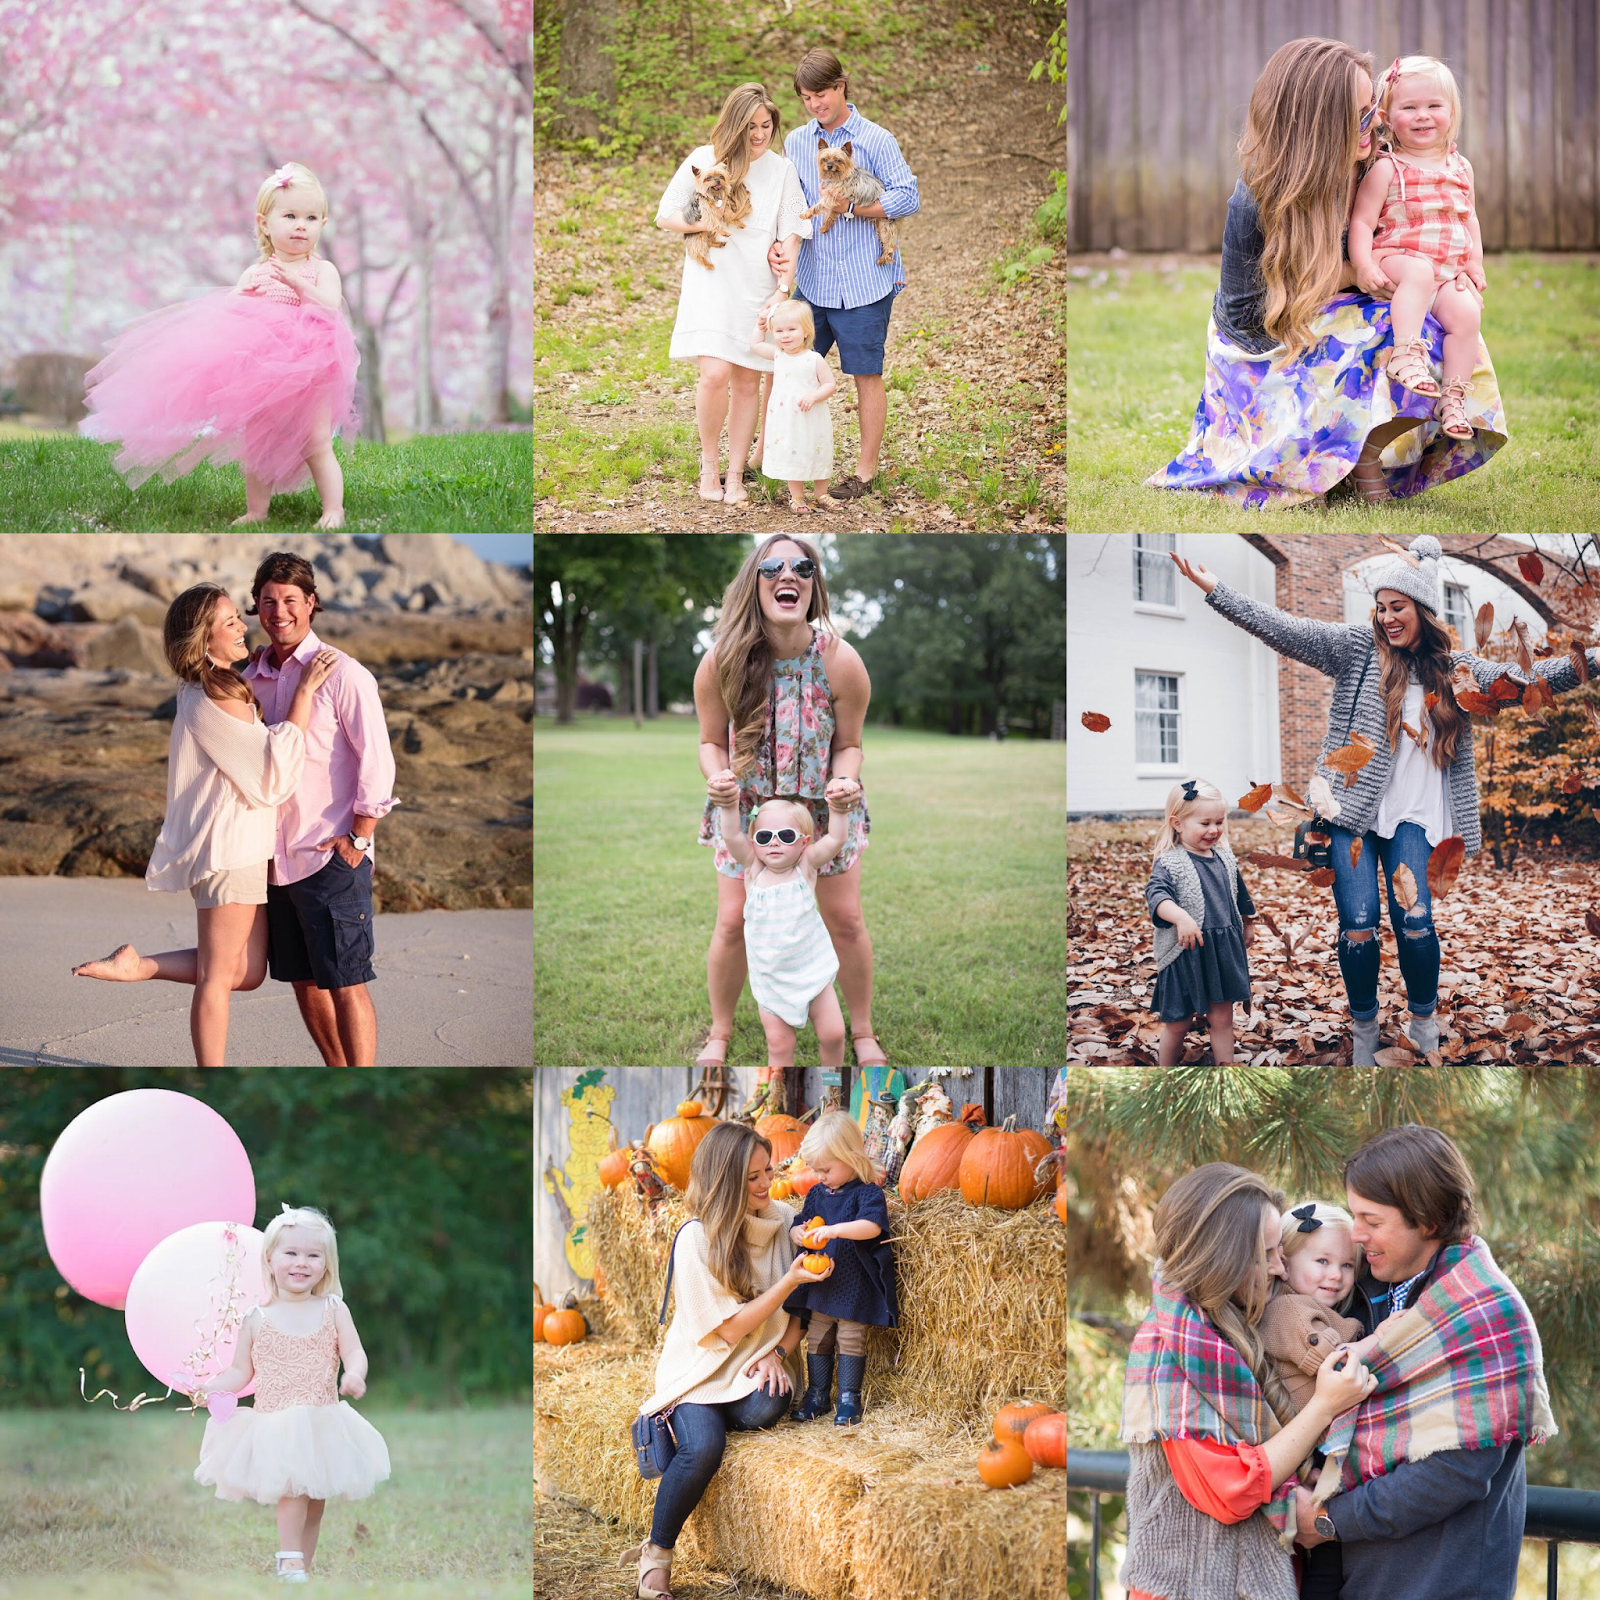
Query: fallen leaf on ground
point(1444, 864)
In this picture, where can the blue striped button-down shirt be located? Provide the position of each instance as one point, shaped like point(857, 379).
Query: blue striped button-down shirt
point(839, 268)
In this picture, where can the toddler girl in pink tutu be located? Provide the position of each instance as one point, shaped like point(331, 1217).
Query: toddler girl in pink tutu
point(263, 374)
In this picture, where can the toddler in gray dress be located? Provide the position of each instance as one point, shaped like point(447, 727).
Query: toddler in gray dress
point(1204, 921)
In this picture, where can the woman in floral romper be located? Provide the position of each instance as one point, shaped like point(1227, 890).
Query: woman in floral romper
point(805, 742)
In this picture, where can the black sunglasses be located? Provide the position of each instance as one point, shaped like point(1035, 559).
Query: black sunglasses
point(782, 835)
point(801, 566)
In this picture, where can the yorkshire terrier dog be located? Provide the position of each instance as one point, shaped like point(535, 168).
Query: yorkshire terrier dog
point(845, 184)
point(719, 201)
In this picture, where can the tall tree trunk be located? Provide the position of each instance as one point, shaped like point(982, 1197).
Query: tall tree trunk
point(638, 688)
point(652, 694)
point(588, 28)
point(566, 640)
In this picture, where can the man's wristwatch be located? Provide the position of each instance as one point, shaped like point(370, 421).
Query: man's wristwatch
point(361, 843)
point(1324, 1526)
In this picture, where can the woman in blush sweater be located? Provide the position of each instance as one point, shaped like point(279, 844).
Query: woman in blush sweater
point(227, 773)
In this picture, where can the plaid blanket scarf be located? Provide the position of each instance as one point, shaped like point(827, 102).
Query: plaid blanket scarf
point(1185, 1381)
point(1459, 1370)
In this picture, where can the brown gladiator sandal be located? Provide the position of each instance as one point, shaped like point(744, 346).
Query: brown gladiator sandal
point(1452, 409)
point(1368, 476)
point(1408, 366)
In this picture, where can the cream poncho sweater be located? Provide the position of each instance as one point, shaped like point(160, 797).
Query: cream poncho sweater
point(225, 782)
point(697, 1364)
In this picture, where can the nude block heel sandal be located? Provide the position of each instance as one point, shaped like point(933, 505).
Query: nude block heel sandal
point(1452, 408)
point(1408, 366)
point(651, 1558)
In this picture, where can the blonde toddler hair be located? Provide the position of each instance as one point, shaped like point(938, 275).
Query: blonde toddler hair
point(301, 178)
point(1421, 67)
point(836, 1135)
point(800, 310)
point(1178, 808)
point(796, 815)
point(1330, 1216)
point(301, 1217)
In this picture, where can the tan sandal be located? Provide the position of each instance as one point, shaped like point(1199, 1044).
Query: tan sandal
point(869, 1060)
point(1408, 366)
point(1452, 408)
point(1367, 473)
point(706, 1058)
point(651, 1558)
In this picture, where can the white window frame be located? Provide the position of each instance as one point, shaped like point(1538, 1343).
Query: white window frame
point(1159, 769)
point(1464, 631)
point(1153, 608)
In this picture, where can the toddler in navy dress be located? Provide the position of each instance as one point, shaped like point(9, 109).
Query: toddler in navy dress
point(846, 1210)
point(1204, 919)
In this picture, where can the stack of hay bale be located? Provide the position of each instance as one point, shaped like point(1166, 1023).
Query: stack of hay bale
point(890, 1510)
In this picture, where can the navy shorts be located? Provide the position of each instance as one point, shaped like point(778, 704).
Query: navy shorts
point(859, 333)
point(320, 929)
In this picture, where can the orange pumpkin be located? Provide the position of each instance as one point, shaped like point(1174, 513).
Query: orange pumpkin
point(674, 1141)
point(784, 1134)
point(1061, 1203)
point(781, 1189)
point(998, 1168)
point(1004, 1466)
point(935, 1161)
point(802, 1180)
point(540, 1313)
point(814, 1263)
point(1045, 1439)
point(614, 1167)
point(564, 1327)
point(689, 1108)
point(1010, 1422)
point(809, 1238)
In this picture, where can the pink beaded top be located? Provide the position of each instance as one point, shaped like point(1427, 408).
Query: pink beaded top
point(296, 1370)
point(263, 281)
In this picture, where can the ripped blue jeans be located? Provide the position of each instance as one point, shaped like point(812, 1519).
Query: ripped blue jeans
point(1355, 892)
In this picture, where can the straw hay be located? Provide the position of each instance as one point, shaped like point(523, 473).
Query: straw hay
point(631, 1240)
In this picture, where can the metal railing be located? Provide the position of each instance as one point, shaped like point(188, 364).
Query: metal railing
point(1558, 1516)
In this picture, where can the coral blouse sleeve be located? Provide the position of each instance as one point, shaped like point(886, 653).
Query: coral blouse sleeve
point(1225, 1481)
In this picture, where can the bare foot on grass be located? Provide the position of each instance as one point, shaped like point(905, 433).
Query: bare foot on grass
point(121, 966)
point(237, 520)
point(331, 519)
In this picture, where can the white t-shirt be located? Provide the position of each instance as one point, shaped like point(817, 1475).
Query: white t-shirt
point(1417, 791)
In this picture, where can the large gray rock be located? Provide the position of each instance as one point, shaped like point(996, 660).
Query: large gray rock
point(456, 571)
point(130, 645)
point(165, 583)
point(110, 599)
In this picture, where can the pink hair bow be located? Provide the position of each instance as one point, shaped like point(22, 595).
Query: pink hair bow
point(284, 176)
point(1393, 71)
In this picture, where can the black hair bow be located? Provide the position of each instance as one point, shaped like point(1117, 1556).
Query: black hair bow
point(1190, 791)
point(1309, 1220)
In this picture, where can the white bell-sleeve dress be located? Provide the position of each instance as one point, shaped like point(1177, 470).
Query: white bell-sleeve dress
point(717, 309)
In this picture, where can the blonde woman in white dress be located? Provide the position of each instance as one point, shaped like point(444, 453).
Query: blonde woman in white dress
point(717, 308)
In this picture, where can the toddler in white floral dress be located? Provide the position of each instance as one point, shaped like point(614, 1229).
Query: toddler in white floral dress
point(799, 429)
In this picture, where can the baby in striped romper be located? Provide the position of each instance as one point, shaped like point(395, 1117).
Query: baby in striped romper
point(790, 956)
point(1413, 229)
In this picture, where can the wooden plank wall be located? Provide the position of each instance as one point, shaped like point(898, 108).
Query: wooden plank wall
point(1157, 91)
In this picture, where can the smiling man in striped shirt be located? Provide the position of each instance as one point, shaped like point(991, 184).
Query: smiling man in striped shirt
point(837, 273)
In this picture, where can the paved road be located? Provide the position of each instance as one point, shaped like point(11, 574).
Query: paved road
point(454, 988)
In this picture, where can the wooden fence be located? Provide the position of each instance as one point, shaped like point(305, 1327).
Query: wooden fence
point(1157, 91)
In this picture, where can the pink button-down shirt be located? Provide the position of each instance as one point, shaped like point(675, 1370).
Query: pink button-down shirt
point(349, 767)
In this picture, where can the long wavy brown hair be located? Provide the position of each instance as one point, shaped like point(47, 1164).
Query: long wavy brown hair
point(719, 1177)
point(1432, 659)
point(1300, 143)
point(730, 141)
point(186, 631)
point(744, 653)
point(1210, 1244)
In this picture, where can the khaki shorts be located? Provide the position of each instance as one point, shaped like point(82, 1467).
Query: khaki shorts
point(233, 886)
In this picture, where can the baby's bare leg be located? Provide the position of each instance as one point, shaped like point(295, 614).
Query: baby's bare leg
point(257, 499)
point(828, 1020)
point(313, 1528)
point(1172, 1042)
point(780, 1039)
point(292, 1527)
point(1460, 315)
point(1413, 278)
point(1219, 1019)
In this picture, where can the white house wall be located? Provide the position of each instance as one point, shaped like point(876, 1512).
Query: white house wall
point(1229, 681)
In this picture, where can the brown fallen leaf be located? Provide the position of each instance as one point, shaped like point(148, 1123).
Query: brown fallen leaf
point(1571, 784)
point(1321, 797)
point(1480, 705)
point(1355, 850)
point(1322, 877)
point(1580, 661)
point(1421, 743)
point(1289, 795)
point(1394, 1058)
point(1592, 714)
point(1531, 568)
point(1264, 858)
point(1258, 796)
point(1504, 689)
point(1401, 551)
point(1520, 1022)
point(1405, 886)
point(1349, 759)
point(1429, 701)
point(1483, 624)
point(1592, 923)
point(1519, 632)
point(1444, 863)
point(1094, 722)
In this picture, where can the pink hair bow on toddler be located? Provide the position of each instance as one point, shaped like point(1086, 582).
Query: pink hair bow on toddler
point(284, 176)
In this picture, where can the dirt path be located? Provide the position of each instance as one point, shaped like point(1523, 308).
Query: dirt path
point(983, 149)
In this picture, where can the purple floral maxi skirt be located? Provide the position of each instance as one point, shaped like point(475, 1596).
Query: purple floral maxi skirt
point(1273, 434)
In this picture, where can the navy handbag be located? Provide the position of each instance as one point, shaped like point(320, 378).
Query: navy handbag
point(654, 1442)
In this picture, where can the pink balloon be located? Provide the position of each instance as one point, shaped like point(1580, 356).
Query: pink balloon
point(178, 1295)
point(127, 1172)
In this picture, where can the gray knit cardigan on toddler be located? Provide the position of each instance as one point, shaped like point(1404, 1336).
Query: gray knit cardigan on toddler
point(1190, 896)
point(1341, 650)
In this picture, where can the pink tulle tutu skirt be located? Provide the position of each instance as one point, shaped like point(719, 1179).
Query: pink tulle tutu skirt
point(327, 1452)
point(226, 377)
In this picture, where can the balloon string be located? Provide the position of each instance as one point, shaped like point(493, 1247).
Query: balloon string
point(140, 1399)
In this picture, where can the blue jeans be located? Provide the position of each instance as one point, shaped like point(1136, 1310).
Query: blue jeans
point(1355, 892)
point(702, 1432)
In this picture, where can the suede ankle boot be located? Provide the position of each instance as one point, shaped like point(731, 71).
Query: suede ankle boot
point(818, 1401)
point(852, 1369)
point(1365, 1035)
point(1423, 1033)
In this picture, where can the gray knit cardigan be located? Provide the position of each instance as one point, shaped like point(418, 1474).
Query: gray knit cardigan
point(1341, 650)
point(1190, 896)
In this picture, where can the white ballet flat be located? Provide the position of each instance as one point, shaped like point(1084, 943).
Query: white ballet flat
point(288, 1574)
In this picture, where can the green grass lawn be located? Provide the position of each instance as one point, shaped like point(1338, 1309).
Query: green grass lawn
point(436, 483)
point(961, 890)
point(1136, 360)
point(103, 1505)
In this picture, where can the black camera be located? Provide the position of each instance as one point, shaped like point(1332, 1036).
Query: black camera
point(1313, 843)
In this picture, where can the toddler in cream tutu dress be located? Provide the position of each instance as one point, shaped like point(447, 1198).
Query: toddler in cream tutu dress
point(301, 1445)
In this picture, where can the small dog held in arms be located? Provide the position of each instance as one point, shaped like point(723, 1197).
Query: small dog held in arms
point(720, 202)
point(844, 184)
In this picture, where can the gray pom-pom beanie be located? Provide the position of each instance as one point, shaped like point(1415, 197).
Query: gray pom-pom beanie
point(1421, 582)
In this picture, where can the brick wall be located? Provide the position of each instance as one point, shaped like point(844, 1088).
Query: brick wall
point(1310, 583)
